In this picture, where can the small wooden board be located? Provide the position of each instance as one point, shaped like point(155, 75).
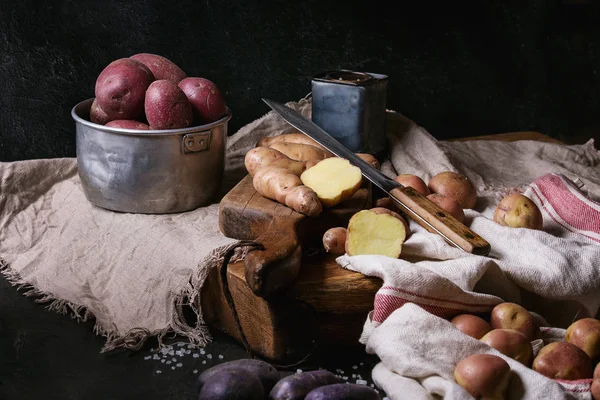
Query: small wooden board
point(324, 304)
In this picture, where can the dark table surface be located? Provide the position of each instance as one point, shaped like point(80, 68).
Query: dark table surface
point(45, 355)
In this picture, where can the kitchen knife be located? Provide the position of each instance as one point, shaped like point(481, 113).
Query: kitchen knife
point(416, 206)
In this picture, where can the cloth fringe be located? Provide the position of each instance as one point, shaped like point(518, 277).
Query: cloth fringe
point(197, 334)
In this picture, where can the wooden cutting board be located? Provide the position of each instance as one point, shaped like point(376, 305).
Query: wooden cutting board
point(322, 304)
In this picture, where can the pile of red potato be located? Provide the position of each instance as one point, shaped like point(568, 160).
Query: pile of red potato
point(252, 379)
point(511, 329)
point(148, 91)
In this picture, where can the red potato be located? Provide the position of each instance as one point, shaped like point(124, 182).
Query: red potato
point(161, 67)
point(121, 88)
point(513, 316)
point(343, 391)
point(297, 386)
point(166, 106)
point(518, 211)
point(471, 325)
point(97, 114)
point(511, 343)
point(229, 384)
point(386, 202)
point(456, 186)
point(334, 241)
point(562, 360)
point(483, 376)
point(597, 372)
point(585, 334)
point(449, 205)
point(206, 99)
point(127, 124)
point(595, 389)
point(414, 182)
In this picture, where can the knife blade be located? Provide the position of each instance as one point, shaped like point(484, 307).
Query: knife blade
point(416, 206)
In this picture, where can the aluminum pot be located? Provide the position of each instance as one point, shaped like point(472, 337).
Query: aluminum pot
point(152, 171)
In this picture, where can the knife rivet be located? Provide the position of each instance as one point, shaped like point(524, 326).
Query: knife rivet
point(469, 236)
point(441, 214)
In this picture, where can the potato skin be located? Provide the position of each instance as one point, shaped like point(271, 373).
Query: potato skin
point(449, 205)
point(127, 124)
point(563, 360)
point(518, 211)
point(267, 374)
point(334, 241)
point(414, 182)
point(456, 186)
point(471, 325)
point(296, 387)
point(166, 106)
point(296, 137)
point(121, 87)
point(97, 114)
point(230, 384)
point(483, 375)
point(208, 103)
point(161, 67)
point(300, 152)
point(343, 391)
point(261, 157)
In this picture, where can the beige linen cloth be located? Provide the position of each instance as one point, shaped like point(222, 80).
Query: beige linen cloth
point(554, 272)
point(133, 273)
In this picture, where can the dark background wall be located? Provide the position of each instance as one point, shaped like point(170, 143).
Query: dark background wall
point(457, 68)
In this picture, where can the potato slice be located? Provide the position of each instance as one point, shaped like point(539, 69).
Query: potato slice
point(372, 233)
point(333, 180)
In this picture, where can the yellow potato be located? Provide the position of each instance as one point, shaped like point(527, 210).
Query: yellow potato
point(372, 233)
point(333, 180)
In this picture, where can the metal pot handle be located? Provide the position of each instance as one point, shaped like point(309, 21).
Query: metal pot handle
point(196, 142)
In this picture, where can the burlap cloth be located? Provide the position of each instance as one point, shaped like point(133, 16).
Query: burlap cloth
point(133, 273)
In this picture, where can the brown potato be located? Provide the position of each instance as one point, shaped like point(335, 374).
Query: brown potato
point(414, 182)
point(518, 211)
point(128, 124)
point(206, 99)
point(471, 325)
point(483, 376)
point(563, 360)
point(511, 343)
point(334, 241)
point(161, 67)
point(456, 186)
point(585, 334)
point(121, 88)
point(166, 106)
point(97, 114)
point(370, 159)
point(449, 205)
point(513, 316)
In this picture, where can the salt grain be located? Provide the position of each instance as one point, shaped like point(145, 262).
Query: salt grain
point(179, 365)
point(345, 378)
point(298, 371)
point(202, 351)
point(190, 346)
point(147, 357)
point(203, 361)
point(354, 375)
point(361, 382)
point(355, 367)
point(168, 362)
point(195, 355)
point(171, 353)
point(195, 371)
point(209, 356)
point(158, 371)
point(162, 361)
point(174, 359)
point(188, 352)
point(173, 368)
point(220, 357)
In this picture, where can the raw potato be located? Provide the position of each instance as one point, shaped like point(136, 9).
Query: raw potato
point(261, 157)
point(166, 106)
point(514, 316)
point(298, 138)
point(161, 67)
point(483, 376)
point(372, 233)
point(471, 325)
point(371, 160)
point(383, 210)
point(232, 385)
point(562, 360)
point(333, 180)
point(121, 87)
point(267, 374)
point(449, 205)
point(279, 184)
point(334, 241)
point(413, 181)
point(585, 334)
point(127, 124)
point(297, 386)
point(518, 211)
point(386, 202)
point(97, 114)
point(300, 152)
point(511, 343)
point(343, 391)
point(206, 99)
point(456, 186)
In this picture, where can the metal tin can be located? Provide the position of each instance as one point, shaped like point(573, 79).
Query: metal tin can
point(351, 107)
point(151, 171)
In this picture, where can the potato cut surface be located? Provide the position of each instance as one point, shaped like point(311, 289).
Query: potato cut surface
point(333, 180)
point(371, 233)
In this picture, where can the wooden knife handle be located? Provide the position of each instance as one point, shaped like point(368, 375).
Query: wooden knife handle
point(275, 267)
point(456, 233)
